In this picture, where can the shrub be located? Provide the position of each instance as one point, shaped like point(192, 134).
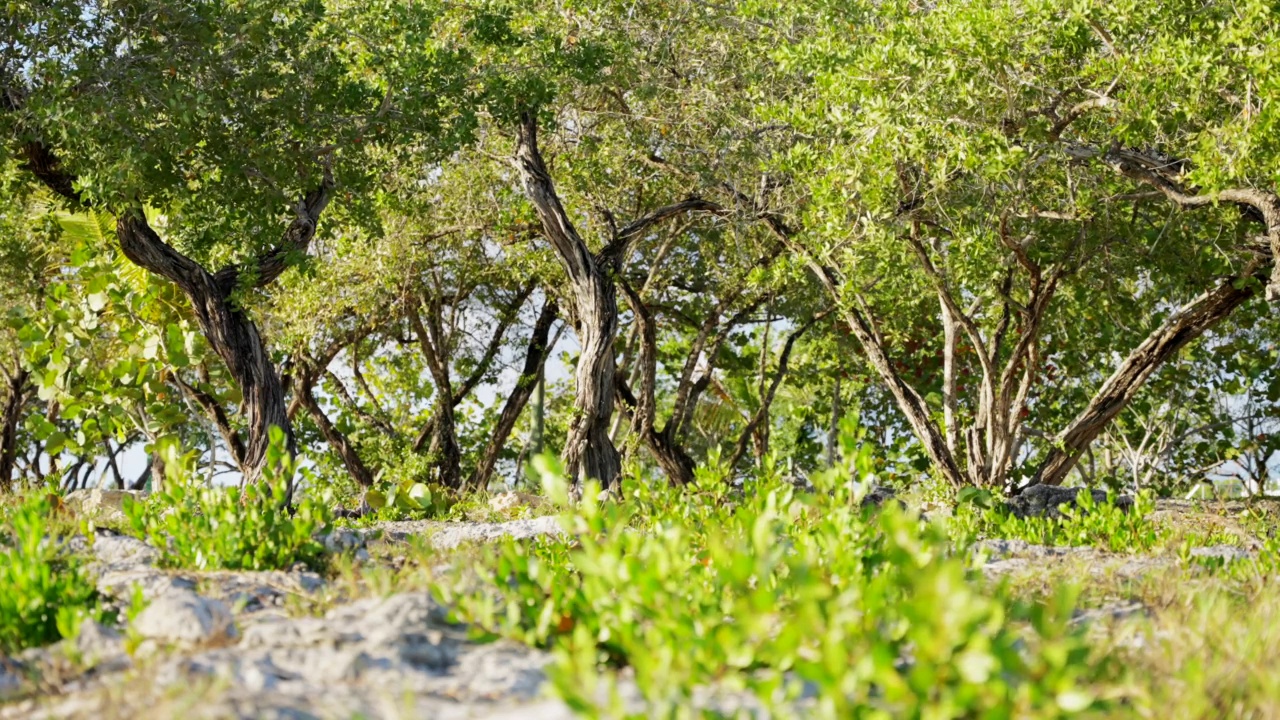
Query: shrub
point(1104, 525)
point(218, 528)
point(773, 589)
point(44, 591)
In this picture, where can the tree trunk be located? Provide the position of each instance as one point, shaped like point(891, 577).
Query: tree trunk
point(1185, 325)
point(141, 482)
point(540, 409)
point(529, 380)
point(229, 331)
point(9, 421)
point(589, 452)
point(444, 441)
point(303, 387)
point(908, 400)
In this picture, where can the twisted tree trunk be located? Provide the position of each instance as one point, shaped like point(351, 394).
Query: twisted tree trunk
point(589, 451)
point(444, 440)
point(530, 376)
point(1185, 325)
point(230, 331)
point(11, 416)
point(304, 390)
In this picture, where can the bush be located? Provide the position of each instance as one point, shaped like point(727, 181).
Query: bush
point(875, 611)
point(220, 528)
point(1104, 525)
point(44, 591)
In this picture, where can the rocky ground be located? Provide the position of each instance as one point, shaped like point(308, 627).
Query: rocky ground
point(226, 645)
point(292, 645)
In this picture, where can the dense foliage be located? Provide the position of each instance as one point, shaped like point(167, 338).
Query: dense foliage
point(785, 594)
point(1020, 242)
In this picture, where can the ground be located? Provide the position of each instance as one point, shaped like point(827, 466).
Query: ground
point(1195, 624)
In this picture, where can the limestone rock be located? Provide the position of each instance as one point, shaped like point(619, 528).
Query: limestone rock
point(251, 592)
point(101, 647)
point(878, 495)
point(449, 535)
point(400, 642)
point(509, 501)
point(121, 551)
point(1226, 553)
point(103, 506)
point(1044, 501)
point(181, 616)
point(345, 540)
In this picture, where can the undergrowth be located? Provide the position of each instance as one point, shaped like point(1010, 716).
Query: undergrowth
point(222, 528)
point(1105, 525)
point(44, 591)
point(775, 591)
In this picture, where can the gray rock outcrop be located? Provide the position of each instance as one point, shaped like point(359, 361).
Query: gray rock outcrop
point(1046, 500)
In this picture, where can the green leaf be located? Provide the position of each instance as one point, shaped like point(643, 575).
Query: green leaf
point(375, 498)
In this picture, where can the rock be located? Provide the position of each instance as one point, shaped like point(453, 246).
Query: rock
point(1226, 553)
point(12, 680)
point(121, 551)
point(153, 583)
point(363, 653)
point(251, 592)
point(878, 495)
point(454, 534)
point(101, 646)
point(103, 506)
point(996, 550)
point(449, 535)
point(345, 540)
point(1044, 501)
point(181, 616)
point(545, 710)
point(1113, 613)
point(508, 501)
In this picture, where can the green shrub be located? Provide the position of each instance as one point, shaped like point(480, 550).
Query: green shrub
point(771, 589)
point(44, 591)
point(1103, 525)
point(220, 528)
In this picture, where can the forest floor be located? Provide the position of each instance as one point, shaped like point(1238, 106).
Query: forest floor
point(1194, 624)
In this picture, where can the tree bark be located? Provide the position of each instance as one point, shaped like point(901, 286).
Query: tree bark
point(230, 332)
point(444, 442)
point(1183, 326)
point(908, 400)
point(672, 458)
point(589, 452)
point(9, 421)
point(228, 329)
point(304, 390)
point(530, 379)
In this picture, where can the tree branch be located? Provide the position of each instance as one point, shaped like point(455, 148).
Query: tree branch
point(765, 402)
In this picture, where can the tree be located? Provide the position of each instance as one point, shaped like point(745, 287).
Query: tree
point(237, 111)
point(997, 158)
